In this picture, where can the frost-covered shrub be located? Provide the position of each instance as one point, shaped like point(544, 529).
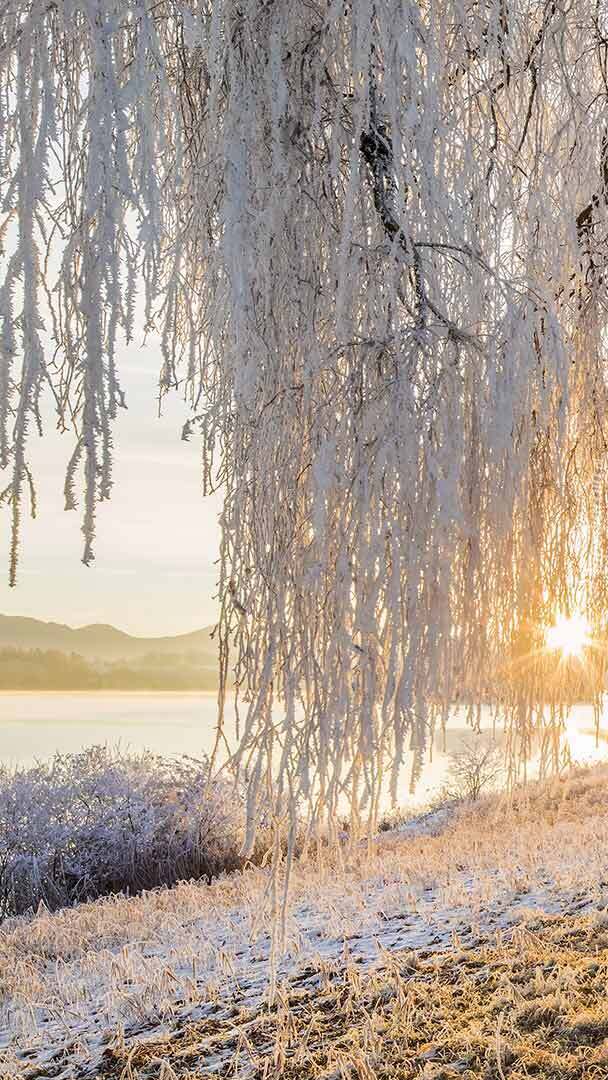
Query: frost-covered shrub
point(103, 821)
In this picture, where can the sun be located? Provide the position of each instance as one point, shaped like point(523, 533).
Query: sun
point(568, 635)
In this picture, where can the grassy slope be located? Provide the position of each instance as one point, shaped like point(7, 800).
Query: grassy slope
point(481, 952)
point(535, 1005)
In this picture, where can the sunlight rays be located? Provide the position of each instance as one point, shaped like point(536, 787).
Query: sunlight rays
point(568, 635)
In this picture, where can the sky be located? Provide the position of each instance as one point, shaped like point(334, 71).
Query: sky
point(157, 537)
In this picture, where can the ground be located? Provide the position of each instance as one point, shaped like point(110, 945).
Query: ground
point(535, 1005)
point(466, 945)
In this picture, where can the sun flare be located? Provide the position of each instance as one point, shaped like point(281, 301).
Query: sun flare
point(568, 635)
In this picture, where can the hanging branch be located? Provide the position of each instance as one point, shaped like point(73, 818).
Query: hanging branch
point(371, 240)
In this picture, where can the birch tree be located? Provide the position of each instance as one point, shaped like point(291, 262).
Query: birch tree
point(372, 239)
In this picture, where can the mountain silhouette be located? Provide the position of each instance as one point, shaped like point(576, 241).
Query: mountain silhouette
point(100, 642)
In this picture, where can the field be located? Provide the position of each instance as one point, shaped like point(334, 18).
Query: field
point(470, 944)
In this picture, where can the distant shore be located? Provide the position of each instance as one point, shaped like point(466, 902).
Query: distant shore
point(102, 692)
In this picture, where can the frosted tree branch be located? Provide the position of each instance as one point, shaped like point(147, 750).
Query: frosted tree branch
point(372, 239)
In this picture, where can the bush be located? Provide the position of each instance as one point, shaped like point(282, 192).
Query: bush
point(102, 821)
point(474, 770)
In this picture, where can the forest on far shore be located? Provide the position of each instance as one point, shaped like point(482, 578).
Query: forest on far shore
point(50, 669)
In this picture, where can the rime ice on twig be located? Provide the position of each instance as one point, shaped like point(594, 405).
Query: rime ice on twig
point(373, 239)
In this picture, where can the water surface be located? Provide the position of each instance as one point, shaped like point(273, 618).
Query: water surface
point(34, 726)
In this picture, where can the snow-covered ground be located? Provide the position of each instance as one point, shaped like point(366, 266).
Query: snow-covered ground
point(83, 979)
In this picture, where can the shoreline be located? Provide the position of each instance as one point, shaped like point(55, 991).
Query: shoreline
point(109, 693)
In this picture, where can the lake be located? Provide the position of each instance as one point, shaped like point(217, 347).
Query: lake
point(36, 725)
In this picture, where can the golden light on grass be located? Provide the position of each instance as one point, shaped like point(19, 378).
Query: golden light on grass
point(569, 635)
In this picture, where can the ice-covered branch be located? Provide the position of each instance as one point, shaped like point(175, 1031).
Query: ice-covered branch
point(372, 239)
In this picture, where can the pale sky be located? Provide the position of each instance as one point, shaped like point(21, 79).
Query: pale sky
point(157, 538)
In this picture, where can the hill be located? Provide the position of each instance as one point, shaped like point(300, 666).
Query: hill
point(36, 655)
point(101, 642)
